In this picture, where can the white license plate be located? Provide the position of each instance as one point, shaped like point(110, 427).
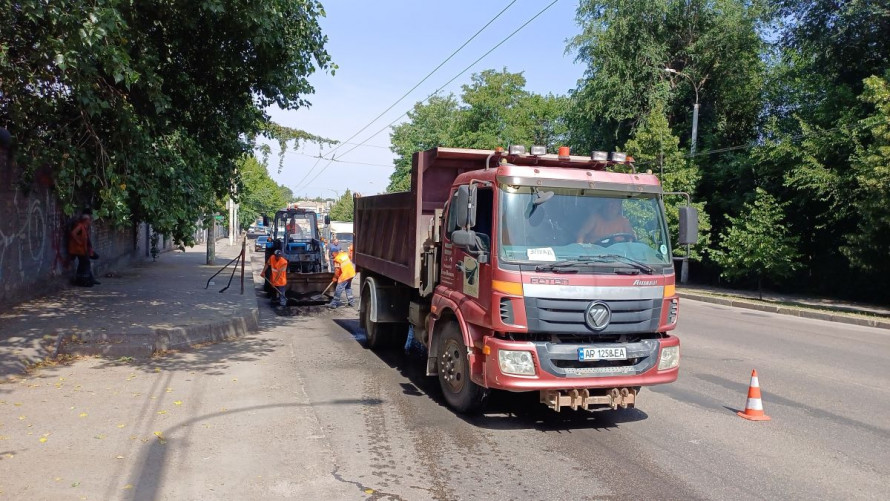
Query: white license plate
point(586, 354)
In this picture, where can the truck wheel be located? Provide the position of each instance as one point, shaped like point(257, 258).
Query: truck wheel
point(461, 393)
point(375, 333)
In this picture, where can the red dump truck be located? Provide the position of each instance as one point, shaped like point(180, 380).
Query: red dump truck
point(525, 271)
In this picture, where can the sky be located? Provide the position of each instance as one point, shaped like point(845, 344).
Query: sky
point(383, 48)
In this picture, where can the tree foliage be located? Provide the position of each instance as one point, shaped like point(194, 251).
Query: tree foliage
point(343, 208)
point(260, 194)
point(869, 246)
point(757, 243)
point(494, 110)
point(655, 147)
point(143, 110)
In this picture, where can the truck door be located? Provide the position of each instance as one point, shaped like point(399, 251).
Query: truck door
point(471, 272)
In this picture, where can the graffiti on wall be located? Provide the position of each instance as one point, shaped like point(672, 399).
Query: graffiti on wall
point(30, 243)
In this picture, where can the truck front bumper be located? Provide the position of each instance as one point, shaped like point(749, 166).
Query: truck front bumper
point(557, 367)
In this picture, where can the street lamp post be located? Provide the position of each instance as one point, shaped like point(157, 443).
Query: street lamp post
point(684, 267)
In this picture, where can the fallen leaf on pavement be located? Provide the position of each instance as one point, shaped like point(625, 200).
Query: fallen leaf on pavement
point(178, 402)
point(162, 412)
point(83, 414)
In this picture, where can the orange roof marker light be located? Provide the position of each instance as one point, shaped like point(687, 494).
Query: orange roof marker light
point(564, 152)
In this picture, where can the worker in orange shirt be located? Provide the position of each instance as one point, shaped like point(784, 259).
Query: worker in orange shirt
point(278, 264)
point(344, 272)
point(81, 247)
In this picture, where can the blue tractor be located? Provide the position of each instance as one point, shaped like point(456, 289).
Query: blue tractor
point(295, 233)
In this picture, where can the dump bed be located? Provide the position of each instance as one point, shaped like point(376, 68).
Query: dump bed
point(390, 229)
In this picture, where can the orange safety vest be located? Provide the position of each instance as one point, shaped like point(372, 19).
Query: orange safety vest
point(278, 265)
point(79, 240)
point(344, 269)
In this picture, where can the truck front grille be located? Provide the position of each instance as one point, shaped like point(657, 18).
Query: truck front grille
point(566, 316)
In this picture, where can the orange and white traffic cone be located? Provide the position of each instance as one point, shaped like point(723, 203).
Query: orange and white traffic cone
point(754, 406)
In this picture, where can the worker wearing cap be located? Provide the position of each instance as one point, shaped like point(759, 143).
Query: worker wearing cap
point(278, 264)
point(344, 272)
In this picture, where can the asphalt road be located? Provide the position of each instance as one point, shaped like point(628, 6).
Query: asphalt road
point(825, 385)
point(301, 410)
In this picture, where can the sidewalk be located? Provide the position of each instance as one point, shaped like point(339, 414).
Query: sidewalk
point(137, 311)
point(789, 304)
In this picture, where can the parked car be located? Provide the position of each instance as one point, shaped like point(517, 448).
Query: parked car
point(261, 243)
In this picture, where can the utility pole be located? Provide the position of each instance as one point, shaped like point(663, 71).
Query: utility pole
point(211, 240)
point(684, 266)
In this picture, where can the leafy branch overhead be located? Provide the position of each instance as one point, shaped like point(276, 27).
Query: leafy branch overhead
point(143, 110)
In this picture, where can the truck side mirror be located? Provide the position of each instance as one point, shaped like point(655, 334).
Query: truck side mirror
point(471, 206)
point(688, 225)
point(327, 219)
point(465, 239)
point(464, 206)
point(265, 221)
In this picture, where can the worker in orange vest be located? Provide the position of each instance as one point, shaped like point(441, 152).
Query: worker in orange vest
point(344, 272)
point(81, 247)
point(278, 264)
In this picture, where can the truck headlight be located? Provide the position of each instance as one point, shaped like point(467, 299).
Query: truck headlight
point(516, 362)
point(670, 358)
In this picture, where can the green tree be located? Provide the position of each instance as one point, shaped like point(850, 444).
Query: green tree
point(626, 46)
point(869, 247)
point(428, 126)
point(654, 147)
point(757, 243)
point(814, 146)
point(144, 109)
point(496, 110)
point(343, 208)
point(492, 113)
point(260, 194)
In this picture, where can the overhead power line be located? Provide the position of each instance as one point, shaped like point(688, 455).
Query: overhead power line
point(424, 79)
point(517, 30)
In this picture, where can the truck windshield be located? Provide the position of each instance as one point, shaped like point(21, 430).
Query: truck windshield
point(581, 229)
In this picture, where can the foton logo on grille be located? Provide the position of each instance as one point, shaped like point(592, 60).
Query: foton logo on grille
point(549, 281)
point(645, 282)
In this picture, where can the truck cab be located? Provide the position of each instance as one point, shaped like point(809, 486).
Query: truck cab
point(537, 272)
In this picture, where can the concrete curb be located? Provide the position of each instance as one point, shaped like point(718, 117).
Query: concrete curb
point(788, 310)
point(145, 342)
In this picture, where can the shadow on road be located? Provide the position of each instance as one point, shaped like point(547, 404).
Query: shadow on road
point(503, 410)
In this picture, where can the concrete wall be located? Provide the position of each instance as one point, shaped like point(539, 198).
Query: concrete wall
point(33, 255)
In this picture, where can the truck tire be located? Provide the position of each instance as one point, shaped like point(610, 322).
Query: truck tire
point(459, 390)
point(377, 335)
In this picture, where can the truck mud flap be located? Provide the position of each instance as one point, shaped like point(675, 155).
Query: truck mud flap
point(308, 284)
point(582, 399)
